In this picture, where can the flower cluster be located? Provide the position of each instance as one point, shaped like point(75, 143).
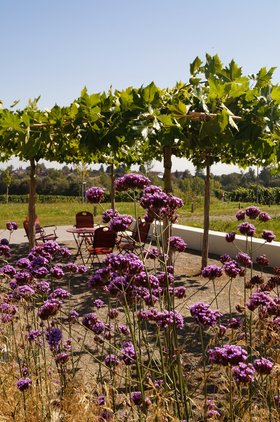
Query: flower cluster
point(120, 223)
point(204, 316)
point(159, 205)
point(227, 355)
point(243, 373)
point(108, 215)
point(177, 244)
point(11, 226)
point(212, 271)
point(163, 318)
point(95, 194)
point(263, 366)
point(131, 181)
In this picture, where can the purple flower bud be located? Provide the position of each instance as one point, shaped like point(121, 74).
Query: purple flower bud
point(262, 260)
point(62, 358)
point(24, 383)
point(230, 237)
point(263, 366)
point(264, 216)
point(268, 235)
point(252, 212)
point(136, 398)
point(240, 215)
point(11, 226)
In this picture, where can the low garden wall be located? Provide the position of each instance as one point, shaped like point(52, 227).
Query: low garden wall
point(218, 245)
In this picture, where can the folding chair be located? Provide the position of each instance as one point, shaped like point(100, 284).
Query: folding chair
point(85, 219)
point(104, 241)
point(42, 233)
point(135, 243)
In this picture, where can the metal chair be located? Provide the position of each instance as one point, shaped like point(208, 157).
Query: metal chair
point(104, 241)
point(135, 243)
point(42, 233)
point(84, 219)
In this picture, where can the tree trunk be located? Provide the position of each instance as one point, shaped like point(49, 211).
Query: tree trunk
point(167, 164)
point(31, 203)
point(7, 194)
point(205, 245)
point(113, 191)
point(167, 226)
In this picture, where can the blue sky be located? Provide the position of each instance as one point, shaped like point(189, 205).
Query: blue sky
point(54, 48)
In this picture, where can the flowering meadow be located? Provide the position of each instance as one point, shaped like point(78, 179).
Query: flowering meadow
point(142, 346)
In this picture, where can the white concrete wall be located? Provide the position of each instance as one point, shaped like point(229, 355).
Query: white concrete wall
point(218, 245)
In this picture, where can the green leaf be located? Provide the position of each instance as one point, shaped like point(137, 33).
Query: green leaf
point(195, 66)
point(264, 76)
point(275, 93)
point(216, 88)
point(149, 92)
point(165, 119)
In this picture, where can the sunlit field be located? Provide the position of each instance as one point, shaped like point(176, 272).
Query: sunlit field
point(222, 214)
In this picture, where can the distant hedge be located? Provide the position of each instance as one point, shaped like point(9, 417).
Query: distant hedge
point(259, 194)
point(51, 199)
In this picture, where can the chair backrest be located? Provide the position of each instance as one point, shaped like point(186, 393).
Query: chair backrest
point(84, 219)
point(104, 238)
point(38, 229)
point(141, 231)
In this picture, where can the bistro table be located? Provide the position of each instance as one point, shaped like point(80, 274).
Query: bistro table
point(81, 236)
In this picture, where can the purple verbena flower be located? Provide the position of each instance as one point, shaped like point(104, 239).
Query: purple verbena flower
point(23, 263)
point(177, 243)
point(24, 383)
point(230, 237)
point(243, 373)
point(263, 366)
point(42, 287)
point(252, 212)
point(136, 398)
point(247, 229)
point(59, 293)
point(95, 194)
point(8, 270)
point(99, 303)
point(128, 353)
point(225, 257)
point(108, 215)
point(111, 360)
point(229, 354)
point(11, 226)
point(54, 337)
point(243, 259)
point(120, 223)
point(57, 272)
point(268, 235)
point(204, 316)
point(262, 260)
point(49, 308)
point(259, 299)
point(62, 358)
point(232, 268)
point(131, 181)
point(240, 215)
point(212, 271)
point(264, 216)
